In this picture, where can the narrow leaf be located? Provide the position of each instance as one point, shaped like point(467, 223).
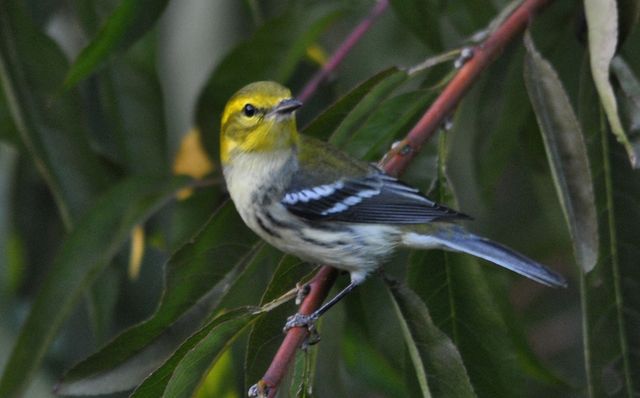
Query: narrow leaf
point(366, 106)
point(567, 154)
point(88, 249)
point(438, 364)
point(130, 20)
point(602, 21)
point(393, 118)
point(609, 295)
point(630, 87)
point(421, 17)
point(197, 276)
point(325, 123)
point(31, 69)
point(182, 372)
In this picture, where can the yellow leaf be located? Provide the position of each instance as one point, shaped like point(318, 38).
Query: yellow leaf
point(216, 384)
point(317, 54)
point(136, 252)
point(191, 160)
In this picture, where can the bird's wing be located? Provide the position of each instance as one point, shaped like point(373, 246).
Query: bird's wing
point(366, 195)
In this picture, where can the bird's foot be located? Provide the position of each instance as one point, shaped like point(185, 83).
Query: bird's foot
point(304, 321)
point(302, 291)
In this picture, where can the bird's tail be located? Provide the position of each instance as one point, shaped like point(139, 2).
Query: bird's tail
point(457, 239)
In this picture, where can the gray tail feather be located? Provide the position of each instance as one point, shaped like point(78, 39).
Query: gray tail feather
point(461, 241)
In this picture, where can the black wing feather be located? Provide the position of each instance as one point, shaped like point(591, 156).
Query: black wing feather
point(373, 198)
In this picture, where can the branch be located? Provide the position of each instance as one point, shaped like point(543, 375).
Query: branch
point(483, 54)
point(398, 158)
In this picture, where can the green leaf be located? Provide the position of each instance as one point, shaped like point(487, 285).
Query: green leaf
point(181, 374)
point(438, 364)
point(421, 17)
point(391, 120)
point(50, 123)
point(602, 21)
point(197, 277)
point(496, 123)
point(328, 121)
point(609, 293)
point(629, 11)
point(366, 106)
point(567, 154)
point(128, 22)
point(367, 364)
point(87, 250)
point(132, 109)
point(464, 305)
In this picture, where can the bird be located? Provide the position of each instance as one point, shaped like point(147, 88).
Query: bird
point(314, 201)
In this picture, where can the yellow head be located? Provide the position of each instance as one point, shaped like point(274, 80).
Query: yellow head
point(258, 118)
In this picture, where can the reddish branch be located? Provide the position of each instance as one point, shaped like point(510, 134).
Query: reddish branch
point(399, 157)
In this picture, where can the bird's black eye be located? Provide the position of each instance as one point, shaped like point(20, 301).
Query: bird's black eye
point(249, 110)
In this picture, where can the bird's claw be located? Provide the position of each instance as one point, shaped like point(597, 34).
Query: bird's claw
point(259, 390)
point(302, 292)
point(304, 321)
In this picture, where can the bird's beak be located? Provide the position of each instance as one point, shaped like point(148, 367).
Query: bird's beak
point(286, 106)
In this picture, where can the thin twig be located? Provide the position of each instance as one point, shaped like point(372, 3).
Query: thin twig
point(344, 49)
point(397, 160)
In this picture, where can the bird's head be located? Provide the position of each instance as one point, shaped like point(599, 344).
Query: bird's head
point(258, 118)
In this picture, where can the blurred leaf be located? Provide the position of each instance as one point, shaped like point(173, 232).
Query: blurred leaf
point(567, 154)
point(366, 363)
point(12, 256)
point(136, 251)
point(129, 21)
point(502, 113)
point(49, 122)
point(180, 375)
point(217, 384)
point(463, 305)
point(436, 360)
point(135, 106)
point(197, 277)
point(328, 121)
point(101, 300)
point(469, 16)
point(630, 87)
point(192, 159)
point(85, 12)
point(390, 121)
point(421, 17)
point(88, 249)
point(8, 131)
point(366, 106)
point(609, 293)
point(629, 11)
point(271, 54)
point(602, 21)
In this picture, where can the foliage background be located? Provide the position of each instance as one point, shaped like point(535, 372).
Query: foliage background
point(88, 153)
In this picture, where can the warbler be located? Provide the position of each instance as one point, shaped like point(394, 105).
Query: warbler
point(310, 199)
